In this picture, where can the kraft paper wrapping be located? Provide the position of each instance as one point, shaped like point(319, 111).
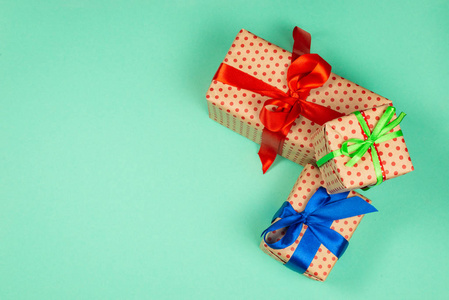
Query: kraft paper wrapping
point(238, 109)
point(307, 184)
point(393, 154)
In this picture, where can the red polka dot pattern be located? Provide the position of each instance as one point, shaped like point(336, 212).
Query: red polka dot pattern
point(239, 109)
point(307, 184)
point(393, 154)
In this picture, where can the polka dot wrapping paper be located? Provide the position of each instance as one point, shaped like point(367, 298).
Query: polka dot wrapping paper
point(307, 184)
point(393, 154)
point(238, 109)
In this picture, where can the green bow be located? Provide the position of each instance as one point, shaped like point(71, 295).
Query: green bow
point(359, 147)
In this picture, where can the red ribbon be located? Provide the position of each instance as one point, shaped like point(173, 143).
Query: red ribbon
point(307, 71)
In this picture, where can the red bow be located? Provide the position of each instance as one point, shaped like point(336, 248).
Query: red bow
point(307, 71)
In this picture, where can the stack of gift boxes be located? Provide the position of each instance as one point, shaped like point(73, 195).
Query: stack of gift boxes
point(344, 135)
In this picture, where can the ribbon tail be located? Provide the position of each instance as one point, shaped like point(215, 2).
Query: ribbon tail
point(304, 253)
point(341, 209)
point(332, 240)
point(302, 40)
point(269, 148)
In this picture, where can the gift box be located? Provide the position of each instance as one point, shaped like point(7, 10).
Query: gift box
point(235, 103)
point(361, 149)
point(312, 229)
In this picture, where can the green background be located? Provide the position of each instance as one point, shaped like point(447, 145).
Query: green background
point(115, 184)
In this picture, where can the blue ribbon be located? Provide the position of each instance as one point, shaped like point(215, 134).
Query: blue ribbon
point(319, 213)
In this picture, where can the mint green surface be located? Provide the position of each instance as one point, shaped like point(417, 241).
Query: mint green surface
point(115, 184)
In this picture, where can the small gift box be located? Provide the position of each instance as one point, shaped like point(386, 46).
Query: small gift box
point(361, 149)
point(279, 99)
point(312, 228)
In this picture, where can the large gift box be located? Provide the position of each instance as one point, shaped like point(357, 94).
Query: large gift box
point(258, 89)
point(361, 149)
point(312, 229)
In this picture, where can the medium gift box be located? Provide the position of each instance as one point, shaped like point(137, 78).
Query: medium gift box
point(279, 99)
point(312, 228)
point(362, 149)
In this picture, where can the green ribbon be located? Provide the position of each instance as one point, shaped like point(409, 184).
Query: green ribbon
point(359, 147)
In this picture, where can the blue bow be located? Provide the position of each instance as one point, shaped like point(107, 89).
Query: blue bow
point(319, 213)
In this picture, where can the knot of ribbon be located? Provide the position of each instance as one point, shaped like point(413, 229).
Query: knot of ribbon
point(318, 215)
point(307, 71)
point(356, 148)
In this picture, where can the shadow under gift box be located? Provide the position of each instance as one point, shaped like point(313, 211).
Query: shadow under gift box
point(238, 109)
point(393, 154)
point(306, 186)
